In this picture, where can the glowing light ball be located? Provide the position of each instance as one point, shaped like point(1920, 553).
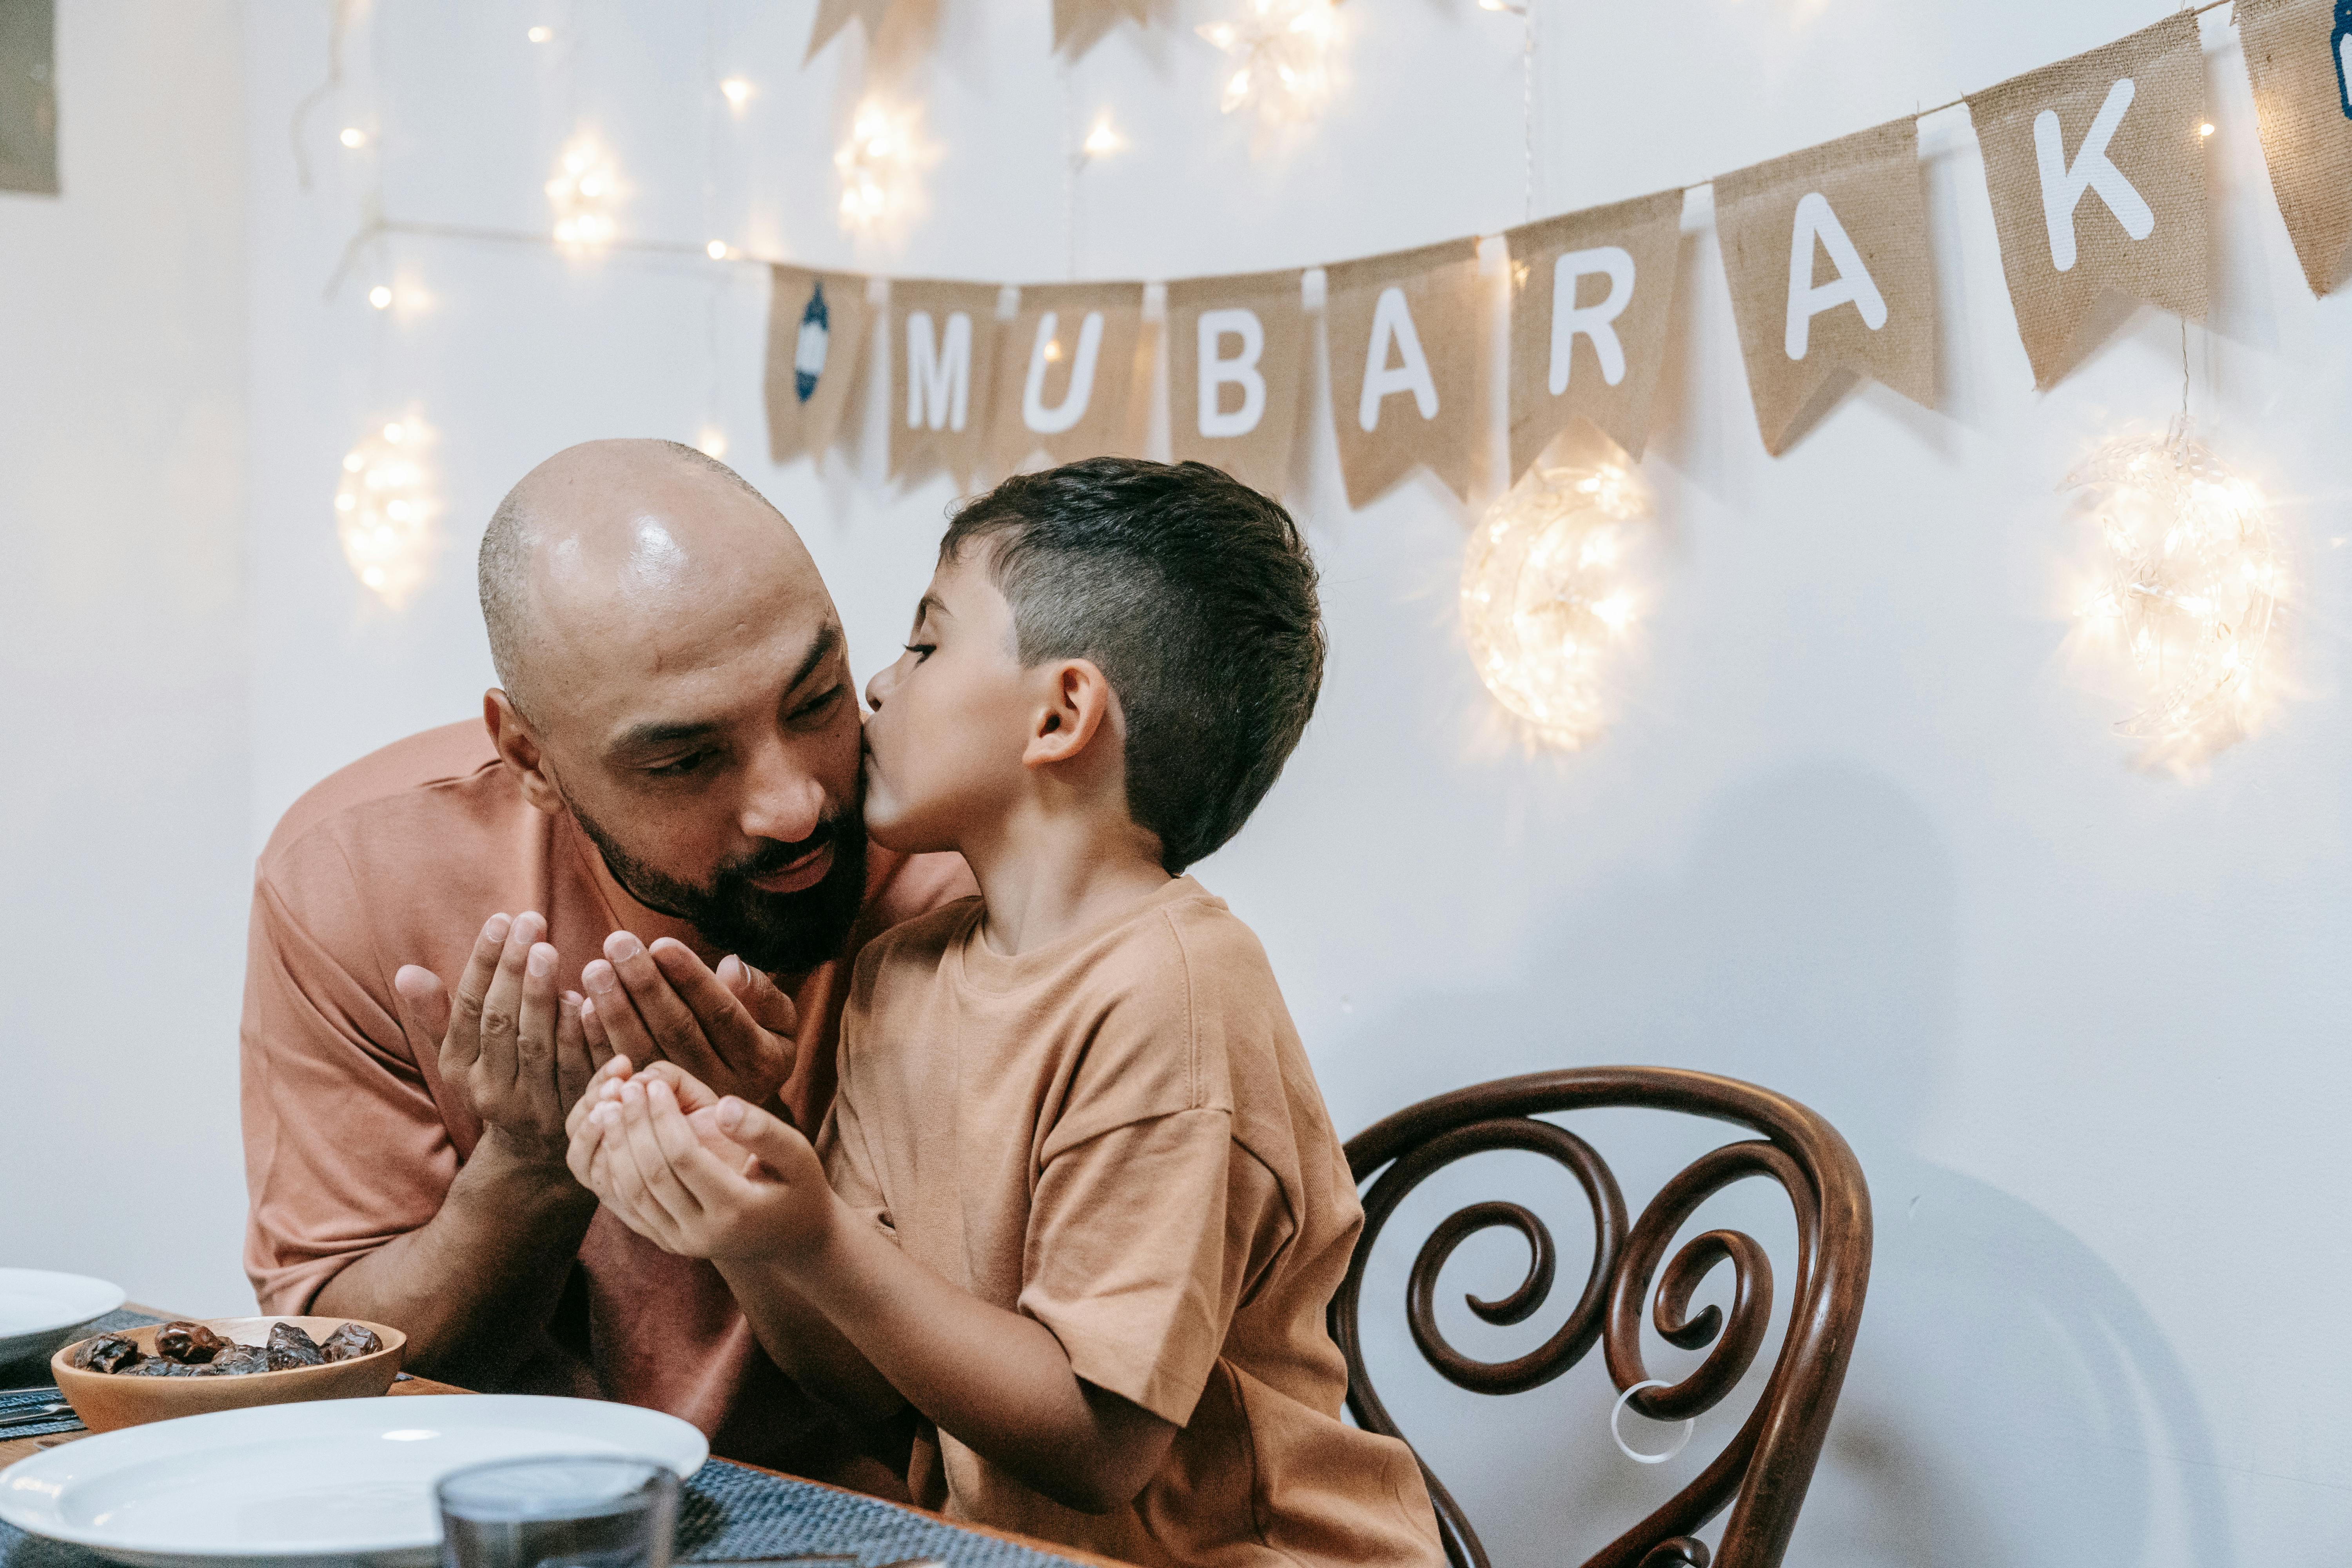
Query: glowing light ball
point(2186, 593)
point(384, 511)
point(1546, 597)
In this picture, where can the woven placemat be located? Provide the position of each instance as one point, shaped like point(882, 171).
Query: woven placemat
point(731, 1512)
point(34, 1373)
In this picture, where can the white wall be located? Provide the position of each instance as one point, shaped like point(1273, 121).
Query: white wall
point(1858, 836)
point(125, 849)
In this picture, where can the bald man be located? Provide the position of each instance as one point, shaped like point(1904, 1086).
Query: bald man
point(652, 843)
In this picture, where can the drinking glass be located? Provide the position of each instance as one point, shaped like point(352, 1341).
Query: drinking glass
point(585, 1512)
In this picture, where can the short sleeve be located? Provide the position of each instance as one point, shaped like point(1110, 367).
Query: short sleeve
point(345, 1149)
point(1140, 1242)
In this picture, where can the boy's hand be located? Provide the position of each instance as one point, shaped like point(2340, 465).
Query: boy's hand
point(640, 1148)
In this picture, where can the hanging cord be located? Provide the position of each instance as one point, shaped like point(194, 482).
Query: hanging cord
point(338, 19)
point(1071, 157)
point(1527, 103)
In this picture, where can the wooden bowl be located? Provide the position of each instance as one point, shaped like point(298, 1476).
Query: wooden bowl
point(106, 1401)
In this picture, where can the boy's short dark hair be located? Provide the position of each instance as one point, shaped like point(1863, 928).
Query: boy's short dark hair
point(1195, 596)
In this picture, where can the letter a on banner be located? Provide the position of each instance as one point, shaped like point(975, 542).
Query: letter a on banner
point(1067, 383)
point(1826, 251)
point(2098, 176)
point(1402, 334)
point(945, 359)
point(1236, 349)
point(1590, 293)
point(2299, 59)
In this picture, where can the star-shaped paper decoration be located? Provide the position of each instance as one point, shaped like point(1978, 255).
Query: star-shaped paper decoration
point(1277, 53)
point(832, 15)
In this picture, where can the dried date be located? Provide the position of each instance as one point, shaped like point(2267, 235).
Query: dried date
point(290, 1347)
point(349, 1343)
point(108, 1352)
point(190, 1344)
point(239, 1361)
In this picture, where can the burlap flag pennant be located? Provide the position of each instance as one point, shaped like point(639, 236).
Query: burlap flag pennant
point(1826, 252)
point(946, 343)
point(816, 352)
point(2299, 59)
point(1236, 355)
point(1402, 334)
point(832, 15)
point(1590, 293)
point(1066, 380)
point(1078, 23)
point(2098, 176)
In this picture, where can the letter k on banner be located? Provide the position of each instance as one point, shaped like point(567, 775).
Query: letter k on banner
point(2097, 175)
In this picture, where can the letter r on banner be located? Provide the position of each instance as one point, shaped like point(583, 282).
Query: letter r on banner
point(1053, 421)
point(1817, 222)
point(2062, 187)
point(939, 372)
point(1392, 327)
point(1569, 317)
point(1241, 371)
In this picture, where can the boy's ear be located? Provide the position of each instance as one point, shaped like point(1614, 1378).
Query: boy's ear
point(1080, 708)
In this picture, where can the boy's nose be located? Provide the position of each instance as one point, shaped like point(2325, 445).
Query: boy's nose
point(877, 688)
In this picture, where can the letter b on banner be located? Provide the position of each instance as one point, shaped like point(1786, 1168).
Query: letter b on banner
point(1217, 373)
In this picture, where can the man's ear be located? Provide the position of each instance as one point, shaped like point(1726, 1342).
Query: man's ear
point(518, 748)
point(1079, 709)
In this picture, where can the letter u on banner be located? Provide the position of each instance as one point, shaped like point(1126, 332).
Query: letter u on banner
point(1589, 297)
point(2097, 177)
point(1826, 253)
point(1070, 388)
point(946, 357)
point(1403, 335)
point(1236, 355)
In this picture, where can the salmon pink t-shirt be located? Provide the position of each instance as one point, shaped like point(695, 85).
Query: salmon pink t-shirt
point(352, 1138)
point(1119, 1136)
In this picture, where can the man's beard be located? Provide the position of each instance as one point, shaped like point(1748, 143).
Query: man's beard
point(780, 932)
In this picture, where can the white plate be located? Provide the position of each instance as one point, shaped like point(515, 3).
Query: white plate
point(40, 1311)
point(292, 1486)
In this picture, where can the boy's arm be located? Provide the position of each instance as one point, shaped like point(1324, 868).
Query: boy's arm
point(997, 1381)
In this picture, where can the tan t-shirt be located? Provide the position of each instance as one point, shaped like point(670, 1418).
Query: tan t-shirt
point(1119, 1136)
point(352, 1138)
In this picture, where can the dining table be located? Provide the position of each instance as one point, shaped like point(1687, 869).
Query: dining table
point(729, 1512)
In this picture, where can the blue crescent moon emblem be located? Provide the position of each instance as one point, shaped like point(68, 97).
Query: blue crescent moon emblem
point(2342, 41)
point(808, 354)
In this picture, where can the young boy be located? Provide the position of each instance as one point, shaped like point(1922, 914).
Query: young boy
point(1085, 1209)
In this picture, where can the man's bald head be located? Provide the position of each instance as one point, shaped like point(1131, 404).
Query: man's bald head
point(614, 519)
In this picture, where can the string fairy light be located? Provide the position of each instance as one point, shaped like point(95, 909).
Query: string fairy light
point(384, 509)
point(1546, 596)
point(2187, 592)
point(879, 164)
point(1280, 56)
point(582, 193)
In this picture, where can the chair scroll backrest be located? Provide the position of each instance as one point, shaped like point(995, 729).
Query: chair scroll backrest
point(1764, 1470)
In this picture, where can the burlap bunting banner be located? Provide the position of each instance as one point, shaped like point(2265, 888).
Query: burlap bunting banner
point(946, 343)
point(1590, 292)
point(2299, 59)
point(816, 350)
point(832, 15)
point(1236, 349)
point(1078, 23)
point(1066, 378)
point(1826, 251)
point(1402, 334)
point(2097, 175)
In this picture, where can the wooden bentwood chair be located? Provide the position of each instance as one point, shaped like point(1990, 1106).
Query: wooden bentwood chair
point(1765, 1470)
